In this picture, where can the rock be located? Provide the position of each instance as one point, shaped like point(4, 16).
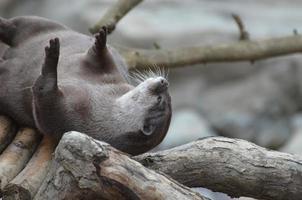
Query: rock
point(212, 195)
point(187, 125)
point(257, 108)
point(293, 144)
point(217, 195)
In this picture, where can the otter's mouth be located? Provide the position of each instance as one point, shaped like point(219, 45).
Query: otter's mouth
point(157, 115)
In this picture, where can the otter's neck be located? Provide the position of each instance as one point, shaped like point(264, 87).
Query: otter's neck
point(134, 143)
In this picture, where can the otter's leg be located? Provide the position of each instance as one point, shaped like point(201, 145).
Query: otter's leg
point(99, 56)
point(47, 82)
point(7, 31)
point(46, 94)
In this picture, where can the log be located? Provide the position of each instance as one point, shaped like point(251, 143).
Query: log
point(26, 184)
point(84, 168)
point(233, 166)
point(7, 132)
point(17, 154)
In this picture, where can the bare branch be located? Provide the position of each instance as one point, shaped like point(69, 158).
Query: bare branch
point(114, 15)
point(84, 168)
point(232, 166)
point(27, 183)
point(17, 154)
point(244, 35)
point(239, 51)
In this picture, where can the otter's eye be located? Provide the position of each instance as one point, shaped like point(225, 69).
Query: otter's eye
point(159, 98)
point(148, 129)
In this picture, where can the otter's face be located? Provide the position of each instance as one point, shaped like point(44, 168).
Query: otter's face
point(147, 108)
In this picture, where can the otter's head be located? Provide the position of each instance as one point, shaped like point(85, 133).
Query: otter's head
point(146, 113)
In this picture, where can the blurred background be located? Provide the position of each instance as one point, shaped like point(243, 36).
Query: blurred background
point(260, 102)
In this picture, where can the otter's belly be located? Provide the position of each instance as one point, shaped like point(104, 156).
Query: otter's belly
point(16, 80)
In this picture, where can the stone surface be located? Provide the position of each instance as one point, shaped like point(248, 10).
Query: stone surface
point(294, 144)
point(256, 108)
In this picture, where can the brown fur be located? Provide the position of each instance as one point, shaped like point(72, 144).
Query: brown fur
point(78, 83)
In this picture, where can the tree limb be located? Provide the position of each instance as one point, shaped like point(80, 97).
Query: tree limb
point(17, 154)
point(232, 166)
point(246, 50)
point(26, 184)
point(84, 168)
point(7, 132)
point(114, 15)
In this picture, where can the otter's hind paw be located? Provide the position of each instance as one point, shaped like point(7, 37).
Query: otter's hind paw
point(52, 53)
point(47, 81)
point(101, 39)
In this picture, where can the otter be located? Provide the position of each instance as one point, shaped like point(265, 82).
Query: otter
point(78, 83)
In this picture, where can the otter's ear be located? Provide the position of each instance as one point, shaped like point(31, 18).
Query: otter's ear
point(100, 41)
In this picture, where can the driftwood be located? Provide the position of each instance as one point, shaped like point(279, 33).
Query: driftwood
point(232, 166)
point(84, 168)
point(27, 183)
point(17, 154)
point(7, 132)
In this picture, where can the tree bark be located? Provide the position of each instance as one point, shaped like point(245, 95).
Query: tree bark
point(7, 132)
point(232, 166)
point(84, 168)
point(17, 154)
point(26, 184)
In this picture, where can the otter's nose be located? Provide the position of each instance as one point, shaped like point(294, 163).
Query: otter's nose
point(159, 85)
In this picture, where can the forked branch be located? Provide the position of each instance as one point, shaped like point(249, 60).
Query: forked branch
point(246, 50)
point(243, 50)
